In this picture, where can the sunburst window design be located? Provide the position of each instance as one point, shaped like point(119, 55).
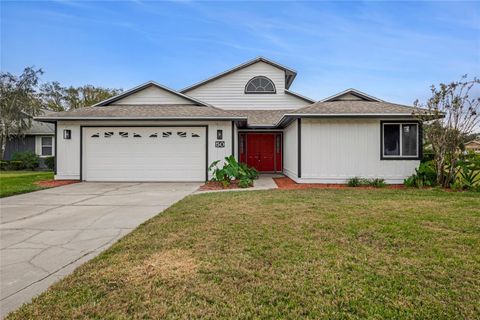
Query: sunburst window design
point(260, 84)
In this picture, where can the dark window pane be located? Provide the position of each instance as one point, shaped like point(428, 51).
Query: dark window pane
point(46, 141)
point(409, 139)
point(250, 87)
point(260, 84)
point(391, 140)
point(46, 151)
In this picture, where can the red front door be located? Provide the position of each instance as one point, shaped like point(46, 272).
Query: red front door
point(262, 151)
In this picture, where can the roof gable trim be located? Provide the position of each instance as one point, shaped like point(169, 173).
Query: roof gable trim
point(144, 86)
point(307, 99)
point(290, 74)
point(354, 92)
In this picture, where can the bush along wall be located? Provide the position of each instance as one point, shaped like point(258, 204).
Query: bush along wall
point(24, 161)
point(466, 177)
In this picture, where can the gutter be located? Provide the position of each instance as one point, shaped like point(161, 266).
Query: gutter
point(47, 119)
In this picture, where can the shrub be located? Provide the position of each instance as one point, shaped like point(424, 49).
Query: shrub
point(4, 165)
point(50, 162)
point(357, 182)
point(15, 165)
point(424, 176)
point(29, 160)
point(377, 183)
point(354, 182)
point(232, 170)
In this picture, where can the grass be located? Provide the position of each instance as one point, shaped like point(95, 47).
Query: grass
point(311, 254)
point(16, 182)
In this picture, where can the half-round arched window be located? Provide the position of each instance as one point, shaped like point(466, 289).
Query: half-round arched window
point(260, 84)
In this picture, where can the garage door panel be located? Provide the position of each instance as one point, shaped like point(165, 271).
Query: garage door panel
point(144, 154)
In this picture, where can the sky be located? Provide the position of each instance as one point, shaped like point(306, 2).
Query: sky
point(392, 50)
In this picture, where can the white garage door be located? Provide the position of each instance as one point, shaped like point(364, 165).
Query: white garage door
point(144, 154)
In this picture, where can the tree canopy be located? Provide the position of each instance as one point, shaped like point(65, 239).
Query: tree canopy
point(23, 97)
point(55, 97)
point(18, 103)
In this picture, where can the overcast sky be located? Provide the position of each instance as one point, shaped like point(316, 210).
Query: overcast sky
point(393, 51)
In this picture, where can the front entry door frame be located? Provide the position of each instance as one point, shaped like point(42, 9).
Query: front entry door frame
point(278, 168)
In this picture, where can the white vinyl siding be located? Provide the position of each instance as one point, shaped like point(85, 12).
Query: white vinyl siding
point(290, 147)
point(68, 155)
point(335, 150)
point(152, 95)
point(228, 92)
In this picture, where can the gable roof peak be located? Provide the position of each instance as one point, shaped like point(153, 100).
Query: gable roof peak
point(290, 74)
point(144, 86)
point(362, 95)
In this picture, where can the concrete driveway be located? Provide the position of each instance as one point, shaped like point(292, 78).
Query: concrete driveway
point(46, 234)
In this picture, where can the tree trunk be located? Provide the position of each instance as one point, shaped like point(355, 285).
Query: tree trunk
point(439, 162)
point(3, 145)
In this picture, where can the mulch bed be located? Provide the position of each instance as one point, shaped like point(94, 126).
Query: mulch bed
point(55, 183)
point(288, 184)
point(215, 185)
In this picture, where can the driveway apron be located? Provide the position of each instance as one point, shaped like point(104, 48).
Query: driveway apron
point(46, 234)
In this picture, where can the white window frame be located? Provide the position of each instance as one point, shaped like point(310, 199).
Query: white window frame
point(400, 126)
point(39, 146)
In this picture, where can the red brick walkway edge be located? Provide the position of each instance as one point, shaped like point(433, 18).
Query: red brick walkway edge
point(288, 184)
point(55, 183)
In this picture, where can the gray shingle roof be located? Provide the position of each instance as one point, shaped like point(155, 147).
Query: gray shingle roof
point(41, 128)
point(143, 111)
point(354, 108)
point(267, 118)
point(261, 117)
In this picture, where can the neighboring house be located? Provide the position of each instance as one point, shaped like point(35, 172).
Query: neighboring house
point(38, 139)
point(473, 145)
point(153, 133)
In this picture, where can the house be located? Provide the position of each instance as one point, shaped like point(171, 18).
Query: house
point(473, 145)
point(154, 133)
point(38, 139)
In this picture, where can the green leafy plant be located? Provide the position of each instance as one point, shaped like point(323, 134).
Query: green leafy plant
point(233, 170)
point(468, 172)
point(377, 183)
point(358, 182)
point(425, 176)
point(50, 162)
point(354, 182)
point(29, 160)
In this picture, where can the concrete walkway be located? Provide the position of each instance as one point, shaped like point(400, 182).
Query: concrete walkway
point(46, 234)
point(264, 182)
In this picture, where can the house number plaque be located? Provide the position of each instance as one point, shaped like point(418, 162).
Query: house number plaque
point(219, 144)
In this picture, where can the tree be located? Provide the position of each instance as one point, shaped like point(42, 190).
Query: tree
point(58, 98)
point(451, 115)
point(18, 103)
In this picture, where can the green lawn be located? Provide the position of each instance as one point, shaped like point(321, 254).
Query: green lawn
point(15, 182)
point(310, 254)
